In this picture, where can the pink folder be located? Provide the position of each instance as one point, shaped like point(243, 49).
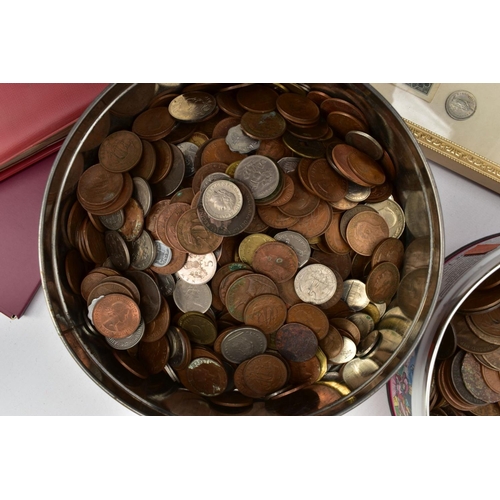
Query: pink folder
point(21, 199)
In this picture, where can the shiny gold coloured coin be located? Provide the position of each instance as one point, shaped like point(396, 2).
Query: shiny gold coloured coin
point(250, 244)
point(192, 106)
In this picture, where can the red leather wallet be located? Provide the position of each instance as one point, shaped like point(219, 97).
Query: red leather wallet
point(36, 117)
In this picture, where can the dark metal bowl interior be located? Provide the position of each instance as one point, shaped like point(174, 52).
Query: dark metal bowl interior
point(115, 109)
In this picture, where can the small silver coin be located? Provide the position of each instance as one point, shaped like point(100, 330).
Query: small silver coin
point(239, 142)
point(393, 214)
point(347, 353)
point(315, 284)
point(461, 105)
point(142, 252)
point(143, 195)
point(113, 221)
point(298, 243)
point(188, 297)
point(92, 307)
point(189, 150)
point(130, 341)
point(289, 163)
point(260, 174)
point(243, 343)
point(163, 254)
point(354, 294)
point(198, 269)
point(216, 176)
point(357, 193)
point(222, 200)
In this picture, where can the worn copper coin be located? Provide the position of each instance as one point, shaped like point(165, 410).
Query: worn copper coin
point(263, 375)
point(116, 316)
point(98, 188)
point(257, 98)
point(276, 260)
point(164, 161)
point(303, 202)
point(310, 316)
point(154, 355)
point(297, 108)
point(206, 377)
point(263, 126)
point(153, 124)
point(365, 231)
point(474, 381)
point(296, 342)
point(382, 282)
point(316, 223)
point(326, 183)
point(120, 151)
point(193, 236)
point(134, 221)
point(266, 312)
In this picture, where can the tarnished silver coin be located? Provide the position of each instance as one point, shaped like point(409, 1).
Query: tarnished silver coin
point(461, 105)
point(188, 297)
point(216, 176)
point(166, 284)
point(239, 142)
point(222, 200)
point(171, 373)
point(143, 195)
point(163, 254)
point(92, 307)
point(393, 214)
point(117, 250)
point(347, 353)
point(198, 269)
point(142, 252)
point(357, 193)
point(315, 284)
point(358, 371)
point(299, 244)
point(364, 322)
point(289, 163)
point(365, 143)
point(260, 174)
point(189, 150)
point(113, 221)
point(354, 294)
point(192, 106)
point(243, 343)
point(130, 341)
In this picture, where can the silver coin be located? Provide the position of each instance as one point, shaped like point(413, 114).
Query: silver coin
point(192, 106)
point(461, 105)
point(92, 307)
point(222, 200)
point(142, 252)
point(365, 143)
point(298, 243)
point(166, 284)
point(113, 221)
point(315, 284)
point(389, 342)
point(198, 269)
point(171, 373)
point(130, 341)
point(347, 353)
point(188, 297)
point(358, 371)
point(369, 343)
point(364, 322)
point(117, 250)
point(238, 142)
point(216, 176)
point(357, 193)
point(243, 343)
point(260, 174)
point(393, 214)
point(289, 163)
point(143, 195)
point(163, 254)
point(354, 294)
point(189, 150)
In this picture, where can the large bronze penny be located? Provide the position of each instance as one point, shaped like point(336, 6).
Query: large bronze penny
point(366, 168)
point(116, 316)
point(266, 312)
point(193, 236)
point(257, 98)
point(297, 108)
point(311, 316)
point(276, 260)
point(382, 282)
point(263, 126)
point(263, 375)
point(206, 377)
point(99, 188)
point(316, 223)
point(326, 183)
point(474, 381)
point(303, 202)
point(154, 355)
point(365, 231)
point(296, 342)
point(153, 124)
point(120, 151)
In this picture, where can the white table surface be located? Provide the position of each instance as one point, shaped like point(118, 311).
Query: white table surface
point(38, 376)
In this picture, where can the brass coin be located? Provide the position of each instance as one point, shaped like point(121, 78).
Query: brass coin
point(265, 312)
point(311, 316)
point(276, 260)
point(192, 106)
point(382, 282)
point(263, 126)
point(193, 236)
point(365, 231)
point(116, 316)
point(120, 151)
point(199, 327)
point(250, 244)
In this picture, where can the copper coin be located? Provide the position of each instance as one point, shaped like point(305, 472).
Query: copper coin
point(473, 380)
point(228, 280)
point(275, 218)
point(99, 188)
point(466, 339)
point(340, 160)
point(310, 316)
point(233, 399)
point(154, 355)
point(273, 148)
point(257, 98)
point(203, 172)
point(333, 236)
point(94, 243)
point(347, 328)
point(297, 109)
point(263, 126)
point(132, 364)
point(206, 377)
point(296, 342)
point(116, 316)
point(366, 143)
point(303, 202)
point(153, 124)
point(220, 274)
point(150, 294)
point(222, 128)
point(120, 151)
point(336, 262)
point(108, 289)
point(76, 216)
point(134, 221)
point(118, 203)
point(217, 151)
point(343, 123)
point(333, 343)
point(481, 300)
point(228, 102)
point(332, 104)
point(89, 282)
point(164, 161)
point(316, 223)
point(162, 99)
point(306, 372)
point(159, 326)
point(287, 193)
point(366, 168)
point(389, 250)
point(287, 292)
point(317, 131)
point(382, 282)
point(264, 374)
point(325, 182)
point(488, 322)
point(244, 289)
point(492, 378)
point(180, 348)
point(276, 260)
point(365, 231)
point(134, 291)
point(193, 236)
point(265, 312)
point(166, 224)
point(303, 147)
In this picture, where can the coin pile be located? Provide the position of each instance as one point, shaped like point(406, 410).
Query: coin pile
point(466, 377)
point(244, 240)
